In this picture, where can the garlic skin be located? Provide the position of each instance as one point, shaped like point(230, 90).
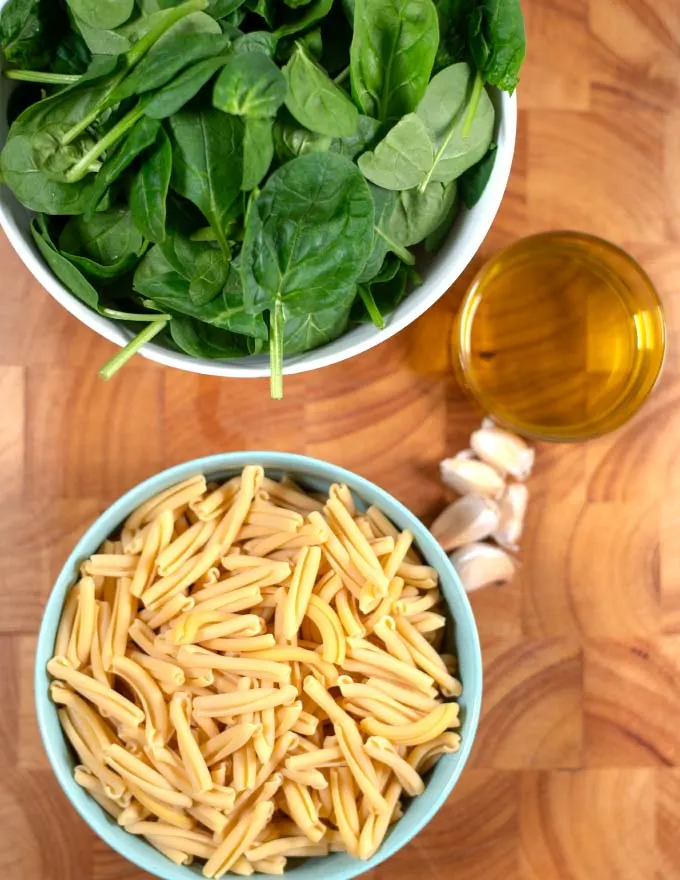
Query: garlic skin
point(513, 508)
point(469, 519)
point(468, 476)
point(481, 565)
point(507, 452)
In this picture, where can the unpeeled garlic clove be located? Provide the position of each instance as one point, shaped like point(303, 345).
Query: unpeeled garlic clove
point(468, 476)
point(469, 519)
point(480, 565)
point(513, 508)
point(505, 451)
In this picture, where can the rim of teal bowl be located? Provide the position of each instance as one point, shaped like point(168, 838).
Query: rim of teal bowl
point(419, 811)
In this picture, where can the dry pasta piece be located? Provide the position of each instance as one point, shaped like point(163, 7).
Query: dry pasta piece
point(122, 613)
point(386, 630)
point(238, 703)
point(86, 619)
point(93, 786)
point(238, 841)
point(330, 628)
point(300, 590)
point(292, 654)
point(327, 757)
point(111, 703)
point(66, 624)
point(364, 652)
point(348, 614)
point(382, 750)
point(445, 744)
point(428, 622)
point(427, 658)
point(375, 827)
point(115, 565)
point(313, 779)
point(194, 762)
point(301, 808)
point(170, 499)
point(157, 537)
point(417, 732)
point(149, 694)
point(394, 591)
point(254, 665)
point(175, 554)
point(344, 799)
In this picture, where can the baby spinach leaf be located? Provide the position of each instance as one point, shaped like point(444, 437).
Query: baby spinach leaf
point(383, 202)
point(211, 272)
point(255, 41)
point(364, 138)
point(101, 274)
point(140, 138)
point(473, 182)
point(70, 277)
point(263, 8)
point(418, 214)
point(453, 27)
point(403, 158)
point(104, 14)
point(392, 55)
point(258, 151)
point(315, 100)
point(438, 236)
point(312, 14)
point(176, 94)
point(308, 237)
point(105, 238)
point(203, 341)
point(167, 58)
point(222, 8)
point(208, 163)
point(101, 41)
point(72, 55)
point(33, 188)
point(250, 85)
point(304, 332)
point(149, 190)
point(29, 32)
point(292, 140)
point(498, 41)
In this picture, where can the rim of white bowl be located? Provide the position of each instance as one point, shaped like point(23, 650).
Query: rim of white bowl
point(445, 272)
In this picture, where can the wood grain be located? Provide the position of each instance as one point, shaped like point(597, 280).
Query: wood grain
point(576, 771)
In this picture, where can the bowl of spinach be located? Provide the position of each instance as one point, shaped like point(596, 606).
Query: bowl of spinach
point(253, 187)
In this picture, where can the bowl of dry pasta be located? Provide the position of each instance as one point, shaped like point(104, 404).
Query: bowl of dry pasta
point(255, 664)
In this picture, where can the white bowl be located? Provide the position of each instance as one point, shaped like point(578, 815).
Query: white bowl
point(465, 239)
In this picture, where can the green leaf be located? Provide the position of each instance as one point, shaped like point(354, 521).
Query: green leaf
point(102, 42)
point(383, 202)
point(203, 341)
point(418, 214)
point(498, 42)
point(176, 94)
point(258, 152)
point(315, 100)
point(149, 190)
point(305, 332)
point(392, 55)
point(105, 238)
point(29, 32)
point(208, 164)
point(453, 26)
point(255, 41)
point(70, 277)
point(250, 85)
point(102, 14)
point(313, 13)
point(292, 140)
point(140, 138)
point(403, 158)
point(308, 237)
point(473, 182)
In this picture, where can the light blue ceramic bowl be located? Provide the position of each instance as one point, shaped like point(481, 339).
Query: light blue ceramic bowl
point(317, 475)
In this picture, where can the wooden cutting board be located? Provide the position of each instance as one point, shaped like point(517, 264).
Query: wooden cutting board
point(574, 773)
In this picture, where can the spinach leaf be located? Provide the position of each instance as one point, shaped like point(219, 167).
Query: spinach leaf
point(473, 182)
point(222, 8)
point(263, 8)
point(101, 274)
point(177, 93)
point(453, 27)
point(383, 204)
point(29, 32)
point(430, 145)
point(149, 190)
point(392, 55)
point(33, 188)
point(104, 14)
point(105, 238)
point(70, 277)
point(438, 236)
point(167, 58)
point(258, 152)
point(418, 214)
point(292, 140)
point(101, 41)
point(140, 138)
point(250, 85)
point(386, 292)
point(364, 138)
point(312, 14)
point(255, 41)
point(403, 158)
point(304, 332)
point(308, 237)
point(203, 341)
point(208, 164)
point(315, 100)
point(72, 55)
point(498, 41)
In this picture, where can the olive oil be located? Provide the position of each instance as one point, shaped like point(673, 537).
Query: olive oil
point(561, 336)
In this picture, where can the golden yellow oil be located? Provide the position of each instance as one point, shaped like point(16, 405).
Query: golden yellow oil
point(561, 336)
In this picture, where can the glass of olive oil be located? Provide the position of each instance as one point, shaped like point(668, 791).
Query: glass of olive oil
point(560, 337)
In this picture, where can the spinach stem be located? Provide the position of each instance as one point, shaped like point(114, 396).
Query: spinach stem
point(371, 307)
point(133, 57)
point(115, 315)
point(38, 76)
point(109, 370)
point(276, 350)
point(473, 105)
point(82, 167)
point(342, 76)
point(403, 253)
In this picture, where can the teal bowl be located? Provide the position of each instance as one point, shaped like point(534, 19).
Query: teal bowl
point(318, 476)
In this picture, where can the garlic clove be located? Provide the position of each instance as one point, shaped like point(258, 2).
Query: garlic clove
point(505, 451)
point(468, 476)
point(469, 519)
point(480, 565)
point(513, 508)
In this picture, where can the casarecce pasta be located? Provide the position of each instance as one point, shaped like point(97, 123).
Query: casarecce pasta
point(248, 675)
